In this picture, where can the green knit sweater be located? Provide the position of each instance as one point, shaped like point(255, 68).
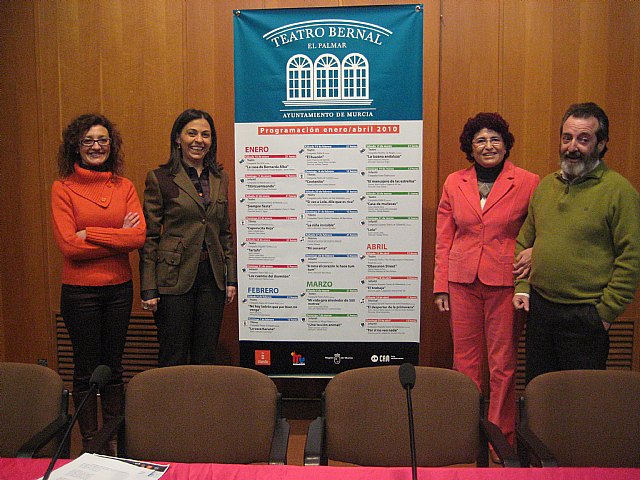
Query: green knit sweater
point(586, 241)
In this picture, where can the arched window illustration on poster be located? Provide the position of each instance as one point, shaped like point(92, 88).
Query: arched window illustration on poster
point(328, 168)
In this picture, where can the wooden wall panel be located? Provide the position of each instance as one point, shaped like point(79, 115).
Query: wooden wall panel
point(622, 103)
point(548, 66)
point(469, 73)
point(5, 102)
point(143, 78)
point(622, 87)
point(23, 264)
point(209, 78)
point(208, 56)
point(129, 68)
point(3, 353)
point(142, 85)
point(527, 84)
point(469, 80)
point(141, 63)
point(435, 347)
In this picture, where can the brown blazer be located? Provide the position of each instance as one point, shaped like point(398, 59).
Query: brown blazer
point(177, 225)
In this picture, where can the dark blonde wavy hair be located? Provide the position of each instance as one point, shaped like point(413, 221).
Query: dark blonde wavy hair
point(69, 151)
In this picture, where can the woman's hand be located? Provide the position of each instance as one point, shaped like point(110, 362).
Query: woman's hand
point(231, 294)
point(131, 220)
point(442, 302)
point(81, 234)
point(522, 267)
point(151, 305)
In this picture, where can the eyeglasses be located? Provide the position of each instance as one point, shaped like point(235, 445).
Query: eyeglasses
point(482, 142)
point(89, 142)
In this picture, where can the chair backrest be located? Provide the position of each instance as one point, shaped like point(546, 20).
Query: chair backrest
point(587, 417)
point(367, 422)
point(31, 397)
point(200, 413)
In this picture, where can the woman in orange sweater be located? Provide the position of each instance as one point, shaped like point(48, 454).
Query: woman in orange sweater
point(97, 221)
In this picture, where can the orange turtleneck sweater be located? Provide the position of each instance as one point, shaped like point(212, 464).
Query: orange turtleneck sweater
point(96, 202)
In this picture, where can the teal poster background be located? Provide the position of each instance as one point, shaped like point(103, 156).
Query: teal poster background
point(388, 37)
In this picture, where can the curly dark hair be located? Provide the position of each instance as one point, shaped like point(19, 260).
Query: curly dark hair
point(175, 156)
point(588, 110)
point(492, 121)
point(69, 153)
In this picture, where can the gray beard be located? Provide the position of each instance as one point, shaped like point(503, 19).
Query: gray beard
point(573, 171)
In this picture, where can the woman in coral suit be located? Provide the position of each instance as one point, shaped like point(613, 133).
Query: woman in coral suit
point(479, 215)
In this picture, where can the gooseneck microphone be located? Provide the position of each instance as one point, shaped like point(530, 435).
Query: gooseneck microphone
point(99, 378)
point(408, 380)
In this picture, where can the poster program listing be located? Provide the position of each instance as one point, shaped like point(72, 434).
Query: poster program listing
point(329, 231)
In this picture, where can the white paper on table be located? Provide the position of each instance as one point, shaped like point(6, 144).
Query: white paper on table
point(98, 467)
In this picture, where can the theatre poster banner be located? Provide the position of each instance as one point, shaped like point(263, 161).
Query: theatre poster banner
point(328, 162)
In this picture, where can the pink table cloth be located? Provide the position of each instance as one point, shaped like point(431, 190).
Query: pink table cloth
point(26, 469)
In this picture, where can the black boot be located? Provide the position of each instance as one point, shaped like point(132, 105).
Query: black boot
point(88, 417)
point(112, 401)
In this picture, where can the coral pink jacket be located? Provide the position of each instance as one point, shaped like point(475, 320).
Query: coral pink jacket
point(474, 242)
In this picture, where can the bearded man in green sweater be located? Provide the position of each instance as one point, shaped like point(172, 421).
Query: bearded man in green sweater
point(584, 226)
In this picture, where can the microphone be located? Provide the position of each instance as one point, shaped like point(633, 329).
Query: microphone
point(408, 380)
point(407, 375)
point(99, 378)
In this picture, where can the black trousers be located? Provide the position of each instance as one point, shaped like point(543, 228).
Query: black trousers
point(563, 337)
point(189, 324)
point(97, 319)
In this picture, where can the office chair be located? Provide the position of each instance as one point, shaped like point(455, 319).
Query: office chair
point(33, 411)
point(579, 418)
point(200, 413)
point(365, 422)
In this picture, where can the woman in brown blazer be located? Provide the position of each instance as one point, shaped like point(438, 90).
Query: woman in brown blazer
point(187, 264)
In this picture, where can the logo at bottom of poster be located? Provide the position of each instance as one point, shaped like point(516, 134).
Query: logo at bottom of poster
point(385, 358)
point(263, 357)
point(337, 358)
point(297, 358)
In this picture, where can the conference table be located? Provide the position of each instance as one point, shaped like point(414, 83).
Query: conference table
point(27, 469)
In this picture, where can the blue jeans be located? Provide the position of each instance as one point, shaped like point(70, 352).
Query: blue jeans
point(97, 319)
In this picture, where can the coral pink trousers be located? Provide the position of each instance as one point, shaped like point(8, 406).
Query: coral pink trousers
point(482, 315)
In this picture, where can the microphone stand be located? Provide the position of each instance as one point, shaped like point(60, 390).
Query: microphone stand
point(98, 380)
point(407, 374)
point(412, 436)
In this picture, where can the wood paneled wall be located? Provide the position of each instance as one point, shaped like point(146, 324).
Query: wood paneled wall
point(142, 62)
